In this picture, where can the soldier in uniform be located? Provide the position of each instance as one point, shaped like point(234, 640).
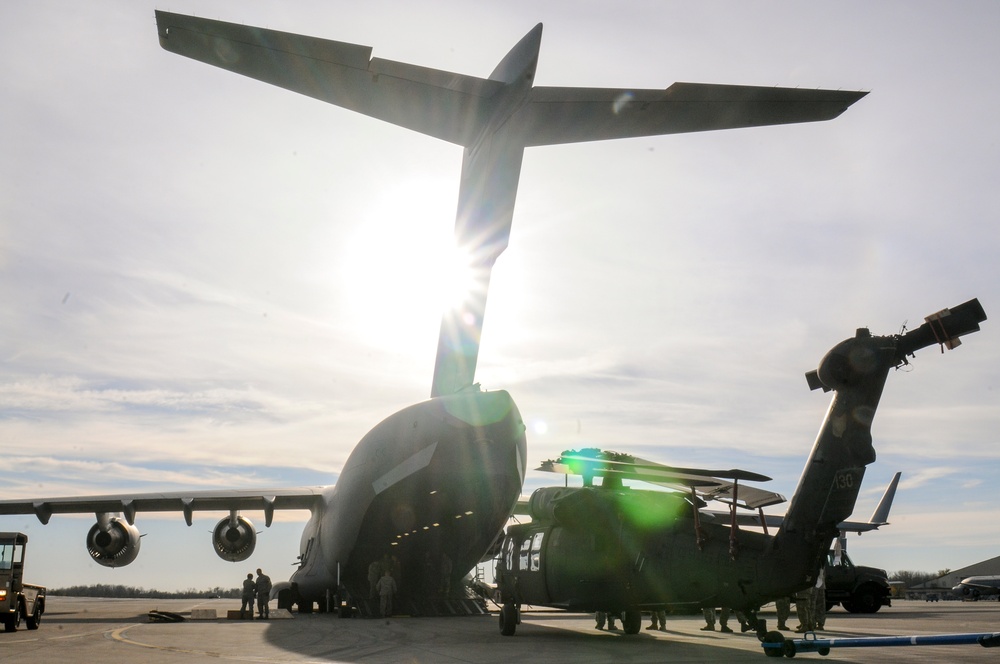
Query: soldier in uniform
point(709, 615)
point(803, 609)
point(263, 594)
point(783, 607)
point(819, 600)
point(659, 620)
point(609, 618)
point(386, 589)
point(248, 595)
point(374, 572)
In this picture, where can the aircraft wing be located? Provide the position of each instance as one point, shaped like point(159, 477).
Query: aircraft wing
point(186, 502)
point(434, 102)
point(569, 115)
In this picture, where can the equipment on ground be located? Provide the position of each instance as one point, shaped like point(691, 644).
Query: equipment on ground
point(18, 600)
point(776, 645)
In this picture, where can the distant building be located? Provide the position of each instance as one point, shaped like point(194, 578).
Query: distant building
point(944, 584)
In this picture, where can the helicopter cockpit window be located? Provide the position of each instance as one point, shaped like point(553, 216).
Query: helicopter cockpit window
point(508, 553)
point(536, 551)
point(525, 551)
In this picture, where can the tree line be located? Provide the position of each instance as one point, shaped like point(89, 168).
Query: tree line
point(916, 578)
point(132, 592)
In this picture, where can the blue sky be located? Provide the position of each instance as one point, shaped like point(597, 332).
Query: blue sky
point(210, 283)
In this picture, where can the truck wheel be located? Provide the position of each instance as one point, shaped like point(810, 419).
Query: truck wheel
point(34, 619)
point(865, 600)
point(13, 621)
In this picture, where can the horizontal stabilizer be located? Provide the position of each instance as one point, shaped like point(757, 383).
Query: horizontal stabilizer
point(433, 102)
point(880, 517)
point(571, 115)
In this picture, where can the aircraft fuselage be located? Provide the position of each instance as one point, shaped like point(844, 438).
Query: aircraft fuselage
point(428, 489)
point(626, 549)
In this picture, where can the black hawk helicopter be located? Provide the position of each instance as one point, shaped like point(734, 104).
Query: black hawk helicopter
point(621, 550)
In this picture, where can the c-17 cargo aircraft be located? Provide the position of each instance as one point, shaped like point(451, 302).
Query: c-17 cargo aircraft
point(620, 550)
point(433, 484)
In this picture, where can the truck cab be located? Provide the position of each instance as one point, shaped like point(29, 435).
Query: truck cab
point(858, 588)
point(18, 600)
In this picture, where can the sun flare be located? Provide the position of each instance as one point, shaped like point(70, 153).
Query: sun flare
point(402, 268)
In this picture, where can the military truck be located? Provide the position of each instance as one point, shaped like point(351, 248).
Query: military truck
point(18, 600)
point(857, 588)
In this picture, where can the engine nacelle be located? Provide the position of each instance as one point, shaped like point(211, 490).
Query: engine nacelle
point(234, 538)
point(113, 543)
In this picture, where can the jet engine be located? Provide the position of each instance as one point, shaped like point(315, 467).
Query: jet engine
point(234, 538)
point(112, 541)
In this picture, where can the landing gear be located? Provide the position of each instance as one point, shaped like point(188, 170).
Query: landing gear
point(508, 619)
point(758, 625)
point(632, 621)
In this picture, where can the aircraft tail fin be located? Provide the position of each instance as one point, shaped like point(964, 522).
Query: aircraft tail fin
point(521, 61)
point(880, 516)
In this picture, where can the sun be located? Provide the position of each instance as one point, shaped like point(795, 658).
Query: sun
point(401, 267)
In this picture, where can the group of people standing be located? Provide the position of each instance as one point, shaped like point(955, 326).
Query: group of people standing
point(259, 589)
point(810, 608)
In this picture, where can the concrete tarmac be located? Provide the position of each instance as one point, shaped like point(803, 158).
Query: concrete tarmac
point(119, 632)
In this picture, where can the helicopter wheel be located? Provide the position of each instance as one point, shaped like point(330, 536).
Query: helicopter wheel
point(508, 619)
point(632, 621)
